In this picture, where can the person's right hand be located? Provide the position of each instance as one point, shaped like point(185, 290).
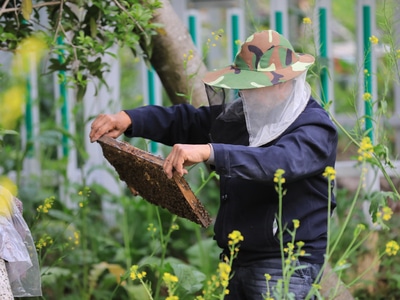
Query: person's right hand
point(112, 125)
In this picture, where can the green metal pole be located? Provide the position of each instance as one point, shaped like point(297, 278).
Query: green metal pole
point(192, 28)
point(29, 119)
point(324, 54)
point(151, 89)
point(279, 22)
point(235, 21)
point(64, 105)
point(366, 15)
point(30, 151)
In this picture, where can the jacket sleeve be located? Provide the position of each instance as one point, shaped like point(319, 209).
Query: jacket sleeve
point(180, 123)
point(306, 148)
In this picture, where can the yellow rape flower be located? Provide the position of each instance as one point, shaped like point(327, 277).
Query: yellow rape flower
point(44, 241)
point(290, 246)
point(47, 205)
point(387, 213)
point(235, 237)
point(76, 237)
point(367, 96)
point(361, 227)
point(278, 177)
point(296, 224)
point(224, 270)
point(373, 39)
point(316, 286)
point(135, 274)
point(217, 35)
point(307, 21)
point(133, 271)
point(392, 247)
point(174, 227)
point(169, 278)
point(151, 228)
point(329, 173)
point(341, 262)
point(358, 229)
point(189, 56)
point(366, 149)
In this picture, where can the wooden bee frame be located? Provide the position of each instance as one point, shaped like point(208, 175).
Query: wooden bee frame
point(143, 173)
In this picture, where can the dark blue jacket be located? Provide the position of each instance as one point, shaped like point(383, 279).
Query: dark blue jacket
point(249, 202)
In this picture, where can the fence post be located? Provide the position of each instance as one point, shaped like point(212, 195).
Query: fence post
point(152, 95)
point(194, 27)
point(366, 59)
point(367, 74)
point(65, 117)
point(279, 17)
point(30, 130)
point(367, 85)
point(235, 30)
point(324, 48)
point(396, 82)
point(102, 101)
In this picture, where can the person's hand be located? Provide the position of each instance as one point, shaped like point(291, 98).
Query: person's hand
point(112, 125)
point(185, 155)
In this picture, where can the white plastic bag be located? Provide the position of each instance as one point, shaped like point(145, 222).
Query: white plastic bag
point(17, 248)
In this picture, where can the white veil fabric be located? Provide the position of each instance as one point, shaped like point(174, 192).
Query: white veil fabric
point(269, 111)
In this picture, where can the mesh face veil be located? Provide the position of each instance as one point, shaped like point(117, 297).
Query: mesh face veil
point(269, 111)
point(229, 124)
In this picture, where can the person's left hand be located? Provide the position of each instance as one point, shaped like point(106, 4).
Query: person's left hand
point(185, 155)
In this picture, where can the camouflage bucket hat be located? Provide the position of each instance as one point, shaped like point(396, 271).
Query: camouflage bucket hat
point(265, 59)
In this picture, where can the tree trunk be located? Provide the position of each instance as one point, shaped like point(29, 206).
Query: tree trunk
point(170, 49)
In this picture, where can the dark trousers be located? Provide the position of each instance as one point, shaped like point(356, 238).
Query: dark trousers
point(249, 283)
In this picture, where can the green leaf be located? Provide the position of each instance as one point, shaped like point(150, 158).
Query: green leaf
point(60, 215)
point(342, 267)
point(137, 292)
point(93, 27)
point(190, 279)
point(382, 152)
point(51, 275)
point(8, 131)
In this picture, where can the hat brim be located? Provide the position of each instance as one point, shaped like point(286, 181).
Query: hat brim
point(234, 78)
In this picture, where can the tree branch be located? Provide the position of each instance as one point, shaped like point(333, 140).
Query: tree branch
point(18, 9)
point(4, 6)
point(134, 21)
